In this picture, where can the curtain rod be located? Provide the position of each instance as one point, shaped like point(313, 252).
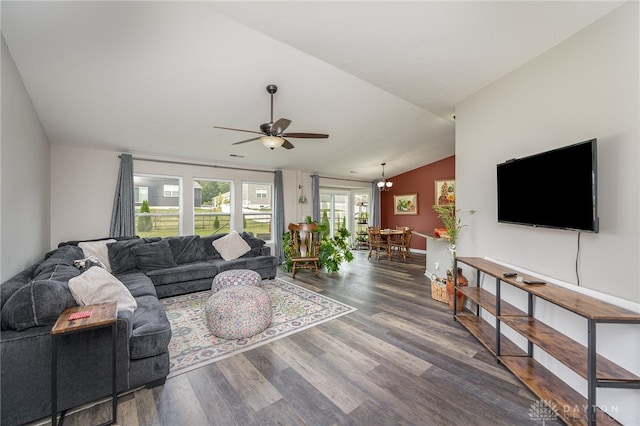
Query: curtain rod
point(349, 180)
point(184, 163)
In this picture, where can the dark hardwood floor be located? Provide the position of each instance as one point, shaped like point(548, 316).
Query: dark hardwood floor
point(399, 360)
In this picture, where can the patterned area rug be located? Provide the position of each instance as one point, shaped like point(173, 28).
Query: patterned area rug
point(192, 344)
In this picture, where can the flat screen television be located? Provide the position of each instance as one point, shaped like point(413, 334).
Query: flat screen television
point(553, 189)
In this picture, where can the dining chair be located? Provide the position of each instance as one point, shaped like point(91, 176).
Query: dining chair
point(376, 242)
point(304, 247)
point(403, 243)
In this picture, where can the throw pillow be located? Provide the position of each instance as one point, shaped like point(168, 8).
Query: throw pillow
point(207, 246)
point(98, 249)
point(97, 285)
point(152, 256)
point(231, 246)
point(35, 304)
point(187, 249)
point(256, 244)
point(121, 258)
point(252, 241)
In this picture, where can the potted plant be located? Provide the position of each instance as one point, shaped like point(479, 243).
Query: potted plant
point(363, 217)
point(450, 217)
point(333, 250)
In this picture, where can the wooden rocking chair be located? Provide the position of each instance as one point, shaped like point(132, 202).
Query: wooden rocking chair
point(304, 247)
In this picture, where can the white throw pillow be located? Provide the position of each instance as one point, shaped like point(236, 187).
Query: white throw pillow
point(231, 246)
point(97, 285)
point(98, 249)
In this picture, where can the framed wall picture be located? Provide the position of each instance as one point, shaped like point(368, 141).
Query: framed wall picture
point(405, 204)
point(445, 192)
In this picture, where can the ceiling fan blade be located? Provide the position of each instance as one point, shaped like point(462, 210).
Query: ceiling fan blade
point(287, 144)
point(280, 126)
point(237, 130)
point(305, 135)
point(245, 141)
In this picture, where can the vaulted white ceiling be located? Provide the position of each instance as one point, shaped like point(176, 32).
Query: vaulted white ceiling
point(381, 78)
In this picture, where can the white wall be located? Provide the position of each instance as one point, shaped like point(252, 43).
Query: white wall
point(24, 177)
point(586, 87)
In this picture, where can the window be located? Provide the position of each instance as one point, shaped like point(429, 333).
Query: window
point(172, 191)
point(158, 205)
point(257, 213)
point(261, 192)
point(140, 193)
point(212, 206)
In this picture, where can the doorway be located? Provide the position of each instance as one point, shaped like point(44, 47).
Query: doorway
point(334, 209)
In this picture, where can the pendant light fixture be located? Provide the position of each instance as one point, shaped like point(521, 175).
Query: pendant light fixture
point(384, 185)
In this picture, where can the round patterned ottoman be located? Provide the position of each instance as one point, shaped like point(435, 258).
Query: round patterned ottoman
point(239, 311)
point(234, 277)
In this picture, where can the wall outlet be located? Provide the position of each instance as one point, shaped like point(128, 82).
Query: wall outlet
point(437, 264)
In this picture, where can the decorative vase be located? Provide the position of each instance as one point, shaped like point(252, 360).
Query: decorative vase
point(462, 282)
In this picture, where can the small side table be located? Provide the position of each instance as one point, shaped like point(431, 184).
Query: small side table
point(102, 315)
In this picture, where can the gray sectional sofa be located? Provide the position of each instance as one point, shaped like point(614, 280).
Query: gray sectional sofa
point(149, 269)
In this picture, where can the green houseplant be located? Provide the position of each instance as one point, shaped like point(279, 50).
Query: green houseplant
point(333, 250)
point(451, 219)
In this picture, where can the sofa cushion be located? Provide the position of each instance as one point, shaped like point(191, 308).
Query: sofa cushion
point(97, 285)
point(67, 254)
point(14, 283)
point(187, 272)
point(121, 258)
point(58, 264)
point(138, 283)
point(187, 249)
point(152, 256)
point(151, 330)
point(252, 241)
point(256, 245)
point(98, 249)
point(231, 246)
point(35, 304)
point(76, 242)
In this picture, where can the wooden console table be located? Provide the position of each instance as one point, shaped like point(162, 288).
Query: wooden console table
point(585, 361)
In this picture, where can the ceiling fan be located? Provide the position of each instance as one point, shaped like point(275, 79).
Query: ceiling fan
point(272, 135)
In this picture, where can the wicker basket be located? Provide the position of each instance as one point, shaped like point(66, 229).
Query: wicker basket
point(439, 292)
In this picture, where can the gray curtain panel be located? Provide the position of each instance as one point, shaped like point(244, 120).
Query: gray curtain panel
point(123, 213)
point(375, 204)
point(315, 198)
point(279, 216)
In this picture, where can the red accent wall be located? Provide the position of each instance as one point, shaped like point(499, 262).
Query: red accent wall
point(419, 181)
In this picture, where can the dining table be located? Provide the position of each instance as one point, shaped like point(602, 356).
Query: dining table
point(388, 234)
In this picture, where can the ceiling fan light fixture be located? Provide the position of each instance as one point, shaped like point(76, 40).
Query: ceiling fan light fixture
point(271, 142)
